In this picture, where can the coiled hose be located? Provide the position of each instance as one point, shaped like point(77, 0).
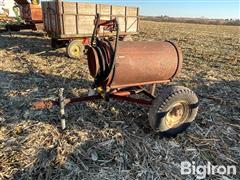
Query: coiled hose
point(105, 52)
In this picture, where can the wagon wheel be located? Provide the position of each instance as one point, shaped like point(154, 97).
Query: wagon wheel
point(75, 49)
point(173, 111)
point(35, 2)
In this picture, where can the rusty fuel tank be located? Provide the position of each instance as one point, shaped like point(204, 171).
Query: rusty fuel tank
point(135, 64)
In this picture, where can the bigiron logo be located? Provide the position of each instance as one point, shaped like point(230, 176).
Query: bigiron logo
point(201, 171)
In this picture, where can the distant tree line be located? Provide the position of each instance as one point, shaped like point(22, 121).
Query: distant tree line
point(202, 20)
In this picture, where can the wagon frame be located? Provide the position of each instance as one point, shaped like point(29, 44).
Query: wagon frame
point(31, 13)
point(71, 23)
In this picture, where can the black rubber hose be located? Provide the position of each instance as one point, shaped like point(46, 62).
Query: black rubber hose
point(95, 29)
point(113, 58)
point(105, 75)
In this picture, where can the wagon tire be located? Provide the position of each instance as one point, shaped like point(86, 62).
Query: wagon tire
point(75, 49)
point(173, 110)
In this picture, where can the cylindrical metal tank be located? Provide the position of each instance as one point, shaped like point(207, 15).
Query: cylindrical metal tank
point(138, 63)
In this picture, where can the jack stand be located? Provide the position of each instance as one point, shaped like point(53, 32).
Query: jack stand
point(62, 110)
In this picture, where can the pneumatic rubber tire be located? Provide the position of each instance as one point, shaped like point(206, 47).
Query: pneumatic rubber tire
point(75, 49)
point(163, 105)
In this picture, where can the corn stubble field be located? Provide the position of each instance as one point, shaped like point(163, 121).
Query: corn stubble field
point(113, 140)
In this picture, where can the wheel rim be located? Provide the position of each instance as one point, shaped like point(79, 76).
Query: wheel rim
point(177, 114)
point(75, 50)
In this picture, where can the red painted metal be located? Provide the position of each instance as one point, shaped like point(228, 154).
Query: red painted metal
point(49, 104)
point(82, 99)
point(118, 96)
point(85, 41)
point(122, 93)
point(130, 99)
point(44, 104)
point(93, 65)
point(31, 13)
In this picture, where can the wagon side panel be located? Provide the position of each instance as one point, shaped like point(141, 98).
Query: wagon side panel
point(66, 20)
point(49, 11)
point(69, 18)
point(85, 18)
point(105, 11)
point(120, 12)
point(44, 15)
point(132, 19)
point(52, 17)
point(59, 18)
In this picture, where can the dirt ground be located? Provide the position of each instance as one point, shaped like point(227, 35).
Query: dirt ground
point(113, 140)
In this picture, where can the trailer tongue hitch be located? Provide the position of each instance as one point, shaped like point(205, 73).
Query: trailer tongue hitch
point(123, 69)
